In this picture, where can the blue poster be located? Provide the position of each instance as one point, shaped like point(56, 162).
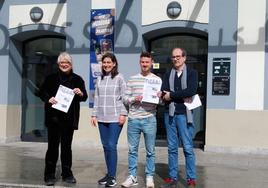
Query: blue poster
point(101, 41)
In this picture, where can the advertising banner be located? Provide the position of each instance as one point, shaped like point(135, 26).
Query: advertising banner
point(101, 41)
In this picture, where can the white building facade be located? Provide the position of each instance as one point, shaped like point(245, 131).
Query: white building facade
point(225, 42)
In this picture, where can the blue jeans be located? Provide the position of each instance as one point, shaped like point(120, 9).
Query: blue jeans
point(147, 126)
point(109, 133)
point(178, 130)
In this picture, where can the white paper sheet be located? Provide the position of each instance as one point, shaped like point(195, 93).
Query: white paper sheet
point(196, 102)
point(150, 89)
point(64, 98)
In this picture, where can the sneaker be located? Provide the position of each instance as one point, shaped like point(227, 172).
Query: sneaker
point(169, 183)
point(130, 181)
point(103, 180)
point(149, 182)
point(111, 182)
point(191, 183)
point(69, 179)
point(50, 180)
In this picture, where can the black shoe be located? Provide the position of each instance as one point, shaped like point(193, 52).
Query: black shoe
point(50, 181)
point(103, 180)
point(69, 179)
point(111, 182)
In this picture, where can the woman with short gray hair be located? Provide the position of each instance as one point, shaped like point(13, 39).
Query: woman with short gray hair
point(61, 125)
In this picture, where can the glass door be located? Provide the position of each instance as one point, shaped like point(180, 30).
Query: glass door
point(196, 48)
point(40, 60)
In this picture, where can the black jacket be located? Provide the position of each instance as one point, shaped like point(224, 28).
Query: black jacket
point(179, 93)
point(49, 89)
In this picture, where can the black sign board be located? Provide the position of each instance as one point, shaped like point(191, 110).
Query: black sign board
point(221, 85)
point(221, 66)
point(221, 76)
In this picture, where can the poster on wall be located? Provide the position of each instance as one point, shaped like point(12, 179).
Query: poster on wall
point(101, 42)
point(221, 76)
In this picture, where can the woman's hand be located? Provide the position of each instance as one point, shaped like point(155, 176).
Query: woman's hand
point(122, 119)
point(188, 99)
point(94, 121)
point(78, 92)
point(52, 100)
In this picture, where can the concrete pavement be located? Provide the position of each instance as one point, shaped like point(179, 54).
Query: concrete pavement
point(22, 165)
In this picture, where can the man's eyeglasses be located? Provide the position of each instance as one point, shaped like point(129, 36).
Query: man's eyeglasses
point(176, 57)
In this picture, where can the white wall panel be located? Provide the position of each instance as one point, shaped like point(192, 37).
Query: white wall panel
point(102, 4)
point(250, 55)
point(20, 14)
point(192, 10)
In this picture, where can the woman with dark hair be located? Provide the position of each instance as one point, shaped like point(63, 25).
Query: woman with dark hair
point(109, 113)
point(114, 70)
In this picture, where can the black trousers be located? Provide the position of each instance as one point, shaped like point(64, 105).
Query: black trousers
point(59, 134)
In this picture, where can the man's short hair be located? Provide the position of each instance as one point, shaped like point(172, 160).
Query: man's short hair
point(146, 54)
point(183, 51)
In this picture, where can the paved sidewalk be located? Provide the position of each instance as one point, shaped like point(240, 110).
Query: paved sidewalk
point(22, 165)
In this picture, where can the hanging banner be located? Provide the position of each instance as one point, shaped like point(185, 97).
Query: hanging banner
point(101, 41)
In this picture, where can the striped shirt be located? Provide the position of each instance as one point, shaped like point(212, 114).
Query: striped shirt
point(135, 88)
point(108, 99)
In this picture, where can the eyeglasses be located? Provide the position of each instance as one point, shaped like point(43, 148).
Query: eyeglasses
point(176, 57)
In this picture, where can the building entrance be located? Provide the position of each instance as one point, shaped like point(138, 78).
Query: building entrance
point(40, 59)
point(196, 48)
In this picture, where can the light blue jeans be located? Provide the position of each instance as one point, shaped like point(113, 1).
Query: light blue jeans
point(147, 126)
point(178, 130)
point(109, 133)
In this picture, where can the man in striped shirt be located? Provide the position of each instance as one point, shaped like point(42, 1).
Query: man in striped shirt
point(141, 119)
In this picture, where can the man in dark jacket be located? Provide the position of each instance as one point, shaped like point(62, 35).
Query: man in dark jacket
point(179, 85)
point(61, 125)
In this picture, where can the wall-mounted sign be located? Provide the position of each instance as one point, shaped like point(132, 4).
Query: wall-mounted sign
point(156, 65)
point(221, 85)
point(221, 76)
point(221, 66)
